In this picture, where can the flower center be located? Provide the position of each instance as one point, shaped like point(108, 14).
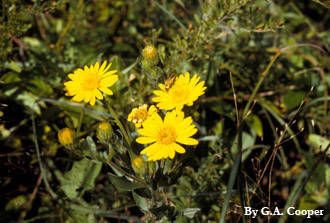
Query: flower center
point(179, 94)
point(140, 115)
point(166, 135)
point(90, 83)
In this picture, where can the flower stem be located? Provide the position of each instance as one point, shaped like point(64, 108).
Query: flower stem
point(111, 152)
point(119, 124)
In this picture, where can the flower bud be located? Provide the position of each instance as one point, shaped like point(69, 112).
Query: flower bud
point(65, 136)
point(150, 55)
point(104, 132)
point(149, 52)
point(138, 164)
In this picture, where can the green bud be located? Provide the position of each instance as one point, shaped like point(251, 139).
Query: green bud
point(150, 55)
point(104, 132)
point(138, 164)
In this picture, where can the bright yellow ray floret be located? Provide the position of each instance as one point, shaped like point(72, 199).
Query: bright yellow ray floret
point(140, 114)
point(165, 136)
point(184, 91)
point(89, 83)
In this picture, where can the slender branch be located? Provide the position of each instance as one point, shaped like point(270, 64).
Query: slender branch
point(43, 172)
point(261, 79)
point(119, 124)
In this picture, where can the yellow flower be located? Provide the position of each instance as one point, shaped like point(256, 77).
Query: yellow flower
point(184, 91)
point(140, 114)
point(88, 84)
point(166, 134)
point(65, 136)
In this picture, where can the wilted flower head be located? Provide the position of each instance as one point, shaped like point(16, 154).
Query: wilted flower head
point(65, 136)
point(184, 91)
point(89, 83)
point(165, 136)
point(140, 114)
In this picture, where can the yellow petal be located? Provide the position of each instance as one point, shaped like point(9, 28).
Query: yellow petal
point(109, 81)
point(103, 66)
point(98, 94)
point(96, 67)
point(92, 101)
point(106, 90)
point(145, 140)
point(187, 141)
point(178, 148)
point(149, 149)
point(78, 98)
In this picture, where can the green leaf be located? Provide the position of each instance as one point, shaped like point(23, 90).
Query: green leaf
point(34, 44)
point(248, 141)
point(255, 125)
point(40, 87)
point(318, 142)
point(14, 66)
point(80, 178)
point(141, 201)
point(116, 63)
point(167, 166)
point(29, 100)
point(16, 202)
point(292, 99)
point(87, 147)
point(218, 128)
point(325, 3)
point(327, 178)
point(91, 144)
point(97, 113)
point(10, 77)
point(191, 212)
point(162, 53)
point(122, 184)
point(306, 203)
point(77, 216)
point(270, 107)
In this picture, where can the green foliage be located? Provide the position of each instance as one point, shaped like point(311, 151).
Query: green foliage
point(80, 178)
point(318, 142)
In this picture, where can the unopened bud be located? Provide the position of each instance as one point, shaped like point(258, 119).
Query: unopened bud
point(65, 136)
point(150, 54)
point(104, 132)
point(138, 164)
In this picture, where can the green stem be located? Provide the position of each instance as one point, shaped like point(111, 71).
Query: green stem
point(81, 117)
point(43, 172)
point(171, 16)
point(69, 24)
point(111, 152)
point(124, 173)
point(237, 164)
point(232, 177)
point(261, 79)
point(119, 124)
